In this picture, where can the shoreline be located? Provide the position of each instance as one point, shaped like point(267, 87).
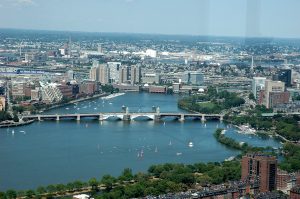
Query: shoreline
point(16, 124)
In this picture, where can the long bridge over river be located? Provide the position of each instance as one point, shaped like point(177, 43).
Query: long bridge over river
point(125, 116)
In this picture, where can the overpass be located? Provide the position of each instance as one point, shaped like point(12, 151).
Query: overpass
point(125, 116)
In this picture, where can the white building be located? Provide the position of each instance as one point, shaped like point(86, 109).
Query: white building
point(151, 53)
point(50, 93)
point(258, 84)
point(114, 75)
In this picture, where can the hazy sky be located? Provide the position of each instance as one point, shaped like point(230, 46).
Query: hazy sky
point(274, 18)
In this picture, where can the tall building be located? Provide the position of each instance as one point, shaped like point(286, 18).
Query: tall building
point(50, 92)
point(193, 77)
point(94, 73)
point(272, 87)
point(135, 75)
point(124, 74)
point(2, 103)
point(103, 74)
point(262, 167)
point(114, 68)
point(284, 75)
point(258, 84)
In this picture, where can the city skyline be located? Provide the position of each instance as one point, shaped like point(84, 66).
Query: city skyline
point(208, 17)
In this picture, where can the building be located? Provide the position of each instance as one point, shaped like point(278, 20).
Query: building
point(2, 103)
point(151, 53)
point(50, 93)
point(151, 78)
point(295, 193)
point(157, 89)
point(87, 87)
point(176, 87)
point(103, 74)
point(36, 94)
point(193, 77)
point(272, 87)
point(258, 84)
point(66, 91)
point(94, 73)
point(135, 75)
point(262, 167)
point(284, 75)
point(113, 74)
point(18, 89)
point(124, 74)
point(276, 98)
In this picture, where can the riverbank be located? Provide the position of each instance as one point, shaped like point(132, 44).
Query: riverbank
point(75, 101)
point(15, 124)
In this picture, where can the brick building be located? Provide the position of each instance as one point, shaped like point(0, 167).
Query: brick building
point(263, 167)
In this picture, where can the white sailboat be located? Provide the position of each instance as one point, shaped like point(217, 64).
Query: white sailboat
point(156, 150)
point(170, 143)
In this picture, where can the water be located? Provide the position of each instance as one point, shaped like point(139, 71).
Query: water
point(53, 152)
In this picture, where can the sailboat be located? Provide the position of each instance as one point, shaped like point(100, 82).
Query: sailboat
point(156, 150)
point(170, 143)
point(13, 132)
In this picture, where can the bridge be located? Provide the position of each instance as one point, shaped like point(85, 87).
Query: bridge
point(125, 116)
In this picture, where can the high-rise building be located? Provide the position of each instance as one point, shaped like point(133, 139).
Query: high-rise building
point(94, 73)
point(135, 74)
point(114, 68)
point(272, 87)
point(103, 73)
point(2, 103)
point(262, 167)
point(284, 75)
point(258, 84)
point(124, 74)
point(193, 77)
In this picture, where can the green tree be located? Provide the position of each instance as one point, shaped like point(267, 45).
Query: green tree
point(30, 194)
point(93, 183)
point(11, 194)
point(108, 181)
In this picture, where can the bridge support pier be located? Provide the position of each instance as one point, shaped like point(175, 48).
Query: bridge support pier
point(78, 118)
point(126, 118)
point(203, 118)
point(157, 118)
point(221, 118)
point(101, 117)
point(57, 118)
point(181, 119)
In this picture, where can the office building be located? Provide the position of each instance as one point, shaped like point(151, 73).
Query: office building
point(284, 75)
point(94, 73)
point(276, 98)
point(258, 84)
point(193, 77)
point(103, 74)
point(114, 67)
point(124, 74)
point(50, 92)
point(262, 167)
point(135, 75)
point(295, 193)
point(274, 87)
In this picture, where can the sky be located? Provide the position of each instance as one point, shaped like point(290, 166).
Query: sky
point(250, 18)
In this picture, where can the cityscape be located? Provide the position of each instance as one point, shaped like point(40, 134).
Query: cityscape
point(120, 113)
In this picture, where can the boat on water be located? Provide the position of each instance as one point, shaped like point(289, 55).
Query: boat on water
point(13, 132)
point(170, 143)
point(178, 153)
point(230, 158)
point(113, 95)
point(223, 132)
point(156, 150)
point(245, 129)
point(191, 144)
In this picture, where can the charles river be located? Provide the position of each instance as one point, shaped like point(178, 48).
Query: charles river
point(52, 152)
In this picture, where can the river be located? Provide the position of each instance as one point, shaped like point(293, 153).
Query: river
point(52, 152)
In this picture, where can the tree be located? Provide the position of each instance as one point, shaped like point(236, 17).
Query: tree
point(41, 190)
point(251, 96)
point(108, 181)
point(30, 194)
point(11, 194)
point(2, 195)
point(126, 175)
point(93, 183)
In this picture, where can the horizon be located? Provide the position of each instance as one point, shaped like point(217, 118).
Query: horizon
point(232, 18)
